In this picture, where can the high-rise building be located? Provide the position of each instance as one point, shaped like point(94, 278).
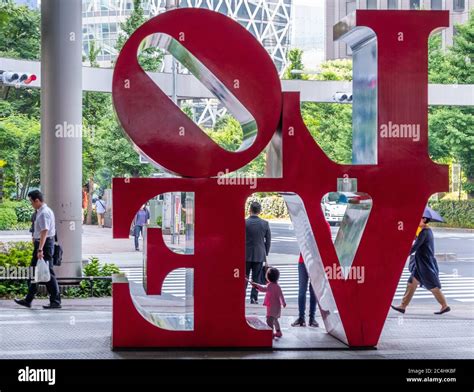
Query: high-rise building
point(338, 9)
point(268, 20)
point(307, 31)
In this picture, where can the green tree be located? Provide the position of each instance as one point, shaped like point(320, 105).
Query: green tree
point(93, 53)
point(295, 63)
point(10, 140)
point(461, 54)
point(340, 69)
point(20, 38)
point(330, 124)
point(438, 62)
point(451, 135)
point(96, 106)
point(20, 112)
point(29, 161)
point(116, 152)
point(19, 32)
point(149, 58)
point(107, 152)
point(20, 141)
point(227, 132)
point(451, 129)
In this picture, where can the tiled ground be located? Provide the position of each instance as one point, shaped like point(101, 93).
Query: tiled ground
point(82, 329)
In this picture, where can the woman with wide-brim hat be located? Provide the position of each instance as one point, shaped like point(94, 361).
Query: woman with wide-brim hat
point(423, 265)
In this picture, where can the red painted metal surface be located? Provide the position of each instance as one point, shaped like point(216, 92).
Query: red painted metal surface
point(152, 120)
point(400, 184)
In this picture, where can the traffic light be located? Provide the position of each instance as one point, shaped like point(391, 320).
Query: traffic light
point(16, 79)
point(27, 78)
point(9, 78)
point(341, 97)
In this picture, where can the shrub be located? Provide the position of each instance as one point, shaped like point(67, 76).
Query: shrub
point(8, 204)
point(18, 254)
point(272, 206)
point(459, 213)
point(101, 288)
point(14, 254)
point(21, 226)
point(8, 218)
point(11, 289)
point(24, 210)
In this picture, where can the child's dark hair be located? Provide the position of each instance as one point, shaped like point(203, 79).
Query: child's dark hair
point(273, 275)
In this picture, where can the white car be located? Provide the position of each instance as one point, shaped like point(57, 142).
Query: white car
point(333, 211)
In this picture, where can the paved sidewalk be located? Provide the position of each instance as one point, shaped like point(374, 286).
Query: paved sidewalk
point(82, 330)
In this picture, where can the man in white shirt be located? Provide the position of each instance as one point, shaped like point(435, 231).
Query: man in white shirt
point(44, 230)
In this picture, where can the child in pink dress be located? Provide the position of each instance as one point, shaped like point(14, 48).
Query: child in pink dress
point(273, 299)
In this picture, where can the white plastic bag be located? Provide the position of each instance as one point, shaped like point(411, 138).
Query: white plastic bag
point(42, 271)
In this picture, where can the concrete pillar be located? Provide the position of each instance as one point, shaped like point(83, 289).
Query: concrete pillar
point(61, 124)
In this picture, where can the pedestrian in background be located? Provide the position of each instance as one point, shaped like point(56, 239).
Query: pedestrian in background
point(303, 288)
point(141, 218)
point(257, 246)
point(424, 269)
point(100, 208)
point(85, 201)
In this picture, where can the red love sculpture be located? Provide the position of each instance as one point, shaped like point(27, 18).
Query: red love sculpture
point(399, 184)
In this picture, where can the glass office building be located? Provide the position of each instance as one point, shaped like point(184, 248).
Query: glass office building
point(268, 21)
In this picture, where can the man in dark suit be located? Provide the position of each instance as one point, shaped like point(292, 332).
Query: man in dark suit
point(257, 246)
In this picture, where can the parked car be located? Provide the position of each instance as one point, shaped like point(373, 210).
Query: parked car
point(333, 209)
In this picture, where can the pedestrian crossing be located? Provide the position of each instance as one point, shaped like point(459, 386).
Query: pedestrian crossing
point(455, 287)
point(284, 239)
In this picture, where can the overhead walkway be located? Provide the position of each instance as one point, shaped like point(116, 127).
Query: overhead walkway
point(188, 87)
